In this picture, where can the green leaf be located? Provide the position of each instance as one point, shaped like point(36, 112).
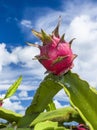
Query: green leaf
point(13, 88)
point(82, 98)
point(9, 115)
point(61, 115)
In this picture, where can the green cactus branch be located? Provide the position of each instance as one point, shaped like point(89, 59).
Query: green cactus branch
point(9, 115)
point(61, 115)
point(48, 125)
point(82, 97)
point(44, 94)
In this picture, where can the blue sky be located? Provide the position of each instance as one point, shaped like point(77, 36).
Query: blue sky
point(18, 17)
point(12, 12)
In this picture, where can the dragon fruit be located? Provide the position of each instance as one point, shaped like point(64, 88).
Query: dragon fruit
point(82, 127)
point(1, 103)
point(56, 54)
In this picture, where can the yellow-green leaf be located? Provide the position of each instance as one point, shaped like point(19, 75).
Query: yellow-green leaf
point(13, 88)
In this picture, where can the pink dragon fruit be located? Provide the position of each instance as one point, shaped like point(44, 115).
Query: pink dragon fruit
point(55, 54)
point(82, 127)
point(1, 103)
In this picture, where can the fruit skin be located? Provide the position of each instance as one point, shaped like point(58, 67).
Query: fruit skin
point(82, 127)
point(56, 54)
point(1, 103)
point(58, 57)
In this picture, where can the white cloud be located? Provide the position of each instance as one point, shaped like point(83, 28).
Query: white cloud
point(15, 103)
point(8, 104)
point(58, 104)
point(23, 94)
point(14, 106)
point(61, 96)
point(14, 97)
point(26, 23)
point(19, 55)
point(25, 55)
point(84, 29)
point(5, 57)
point(26, 27)
point(28, 88)
point(22, 58)
point(21, 87)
